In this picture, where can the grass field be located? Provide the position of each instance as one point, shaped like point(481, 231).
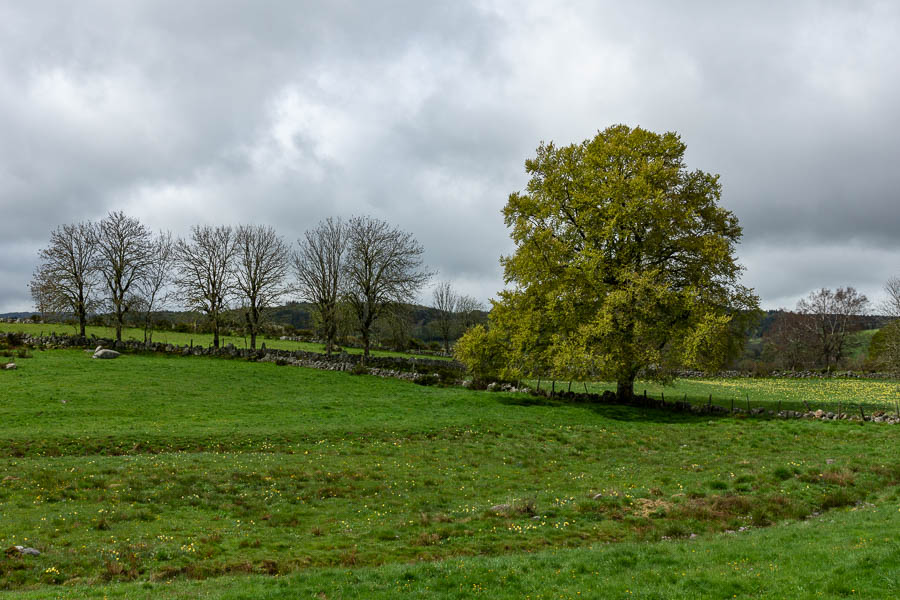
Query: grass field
point(182, 477)
point(772, 393)
point(846, 554)
point(183, 339)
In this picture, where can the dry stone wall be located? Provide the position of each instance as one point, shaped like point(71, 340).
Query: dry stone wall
point(411, 369)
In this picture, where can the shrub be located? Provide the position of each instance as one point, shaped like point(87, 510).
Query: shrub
point(359, 369)
point(427, 380)
point(481, 350)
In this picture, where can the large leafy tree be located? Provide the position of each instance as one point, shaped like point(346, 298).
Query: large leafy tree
point(624, 262)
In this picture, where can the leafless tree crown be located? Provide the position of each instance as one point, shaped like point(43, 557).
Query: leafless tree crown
point(260, 268)
point(124, 253)
point(66, 278)
point(446, 303)
point(205, 276)
point(890, 306)
point(468, 307)
point(384, 266)
point(154, 288)
point(831, 316)
point(318, 266)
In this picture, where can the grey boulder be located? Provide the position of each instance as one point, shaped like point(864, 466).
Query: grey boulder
point(106, 354)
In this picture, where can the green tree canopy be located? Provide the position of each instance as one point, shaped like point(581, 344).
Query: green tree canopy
point(884, 349)
point(624, 262)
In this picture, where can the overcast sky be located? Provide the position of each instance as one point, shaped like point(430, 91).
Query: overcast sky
point(423, 113)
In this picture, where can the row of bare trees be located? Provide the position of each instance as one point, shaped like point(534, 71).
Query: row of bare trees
point(364, 263)
point(118, 266)
point(87, 266)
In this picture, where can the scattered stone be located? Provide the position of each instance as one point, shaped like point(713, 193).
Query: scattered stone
point(10, 366)
point(500, 508)
point(101, 353)
point(22, 550)
point(597, 496)
point(693, 536)
point(829, 461)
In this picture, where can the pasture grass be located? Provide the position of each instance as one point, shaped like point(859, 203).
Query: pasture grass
point(771, 393)
point(183, 339)
point(189, 476)
point(846, 554)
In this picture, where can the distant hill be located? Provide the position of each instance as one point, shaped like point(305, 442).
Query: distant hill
point(16, 315)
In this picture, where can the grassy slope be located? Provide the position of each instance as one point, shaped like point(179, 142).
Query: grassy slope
point(183, 339)
point(158, 468)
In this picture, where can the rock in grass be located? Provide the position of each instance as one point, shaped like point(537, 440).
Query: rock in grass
point(10, 366)
point(22, 550)
point(101, 353)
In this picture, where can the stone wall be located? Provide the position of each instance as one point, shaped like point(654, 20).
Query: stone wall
point(385, 366)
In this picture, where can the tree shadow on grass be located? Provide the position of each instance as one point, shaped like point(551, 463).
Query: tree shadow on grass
point(615, 412)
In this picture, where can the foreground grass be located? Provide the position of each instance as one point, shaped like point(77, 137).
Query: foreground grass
point(183, 339)
point(162, 469)
point(848, 554)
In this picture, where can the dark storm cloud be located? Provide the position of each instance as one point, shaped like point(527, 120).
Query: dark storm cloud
point(423, 114)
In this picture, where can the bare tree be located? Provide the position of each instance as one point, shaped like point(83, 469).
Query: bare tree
point(154, 287)
point(318, 265)
point(394, 327)
point(446, 303)
point(205, 276)
point(124, 252)
point(40, 289)
point(890, 306)
point(66, 278)
point(384, 266)
point(260, 268)
point(791, 339)
point(831, 317)
point(468, 309)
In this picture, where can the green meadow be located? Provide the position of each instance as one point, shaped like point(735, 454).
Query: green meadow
point(771, 393)
point(183, 339)
point(155, 476)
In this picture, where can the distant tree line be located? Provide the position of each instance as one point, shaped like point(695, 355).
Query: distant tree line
point(355, 274)
point(823, 333)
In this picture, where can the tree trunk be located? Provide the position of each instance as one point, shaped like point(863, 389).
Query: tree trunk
point(253, 339)
point(215, 333)
point(625, 389)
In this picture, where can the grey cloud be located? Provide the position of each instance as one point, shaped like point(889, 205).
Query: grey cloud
point(423, 114)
